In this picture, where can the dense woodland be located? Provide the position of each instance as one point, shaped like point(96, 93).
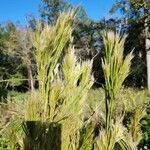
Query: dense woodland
point(68, 82)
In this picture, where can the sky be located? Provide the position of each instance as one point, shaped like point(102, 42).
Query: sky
point(17, 10)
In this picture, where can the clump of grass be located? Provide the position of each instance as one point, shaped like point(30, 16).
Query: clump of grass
point(116, 68)
point(77, 82)
point(119, 133)
point(62, 88)
point(50, 43)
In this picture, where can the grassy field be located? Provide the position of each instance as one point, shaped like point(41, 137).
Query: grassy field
point(95, 103)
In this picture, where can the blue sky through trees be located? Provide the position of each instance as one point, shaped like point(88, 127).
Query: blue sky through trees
point(17, 10)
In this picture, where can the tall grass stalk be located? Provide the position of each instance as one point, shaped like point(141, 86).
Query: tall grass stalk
point(116, 68)
point(49, 43)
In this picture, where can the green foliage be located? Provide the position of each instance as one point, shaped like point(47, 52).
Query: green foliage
point(145, 122)
point(11, 54)
point(17, 96)
point(13, 133)
point(19, 46)
point(4, 144)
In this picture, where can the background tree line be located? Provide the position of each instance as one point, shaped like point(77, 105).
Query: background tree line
point(16, 50)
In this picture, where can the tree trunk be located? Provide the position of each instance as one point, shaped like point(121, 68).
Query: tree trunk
point(31, 79)
point(147, 46)
point(148, 65)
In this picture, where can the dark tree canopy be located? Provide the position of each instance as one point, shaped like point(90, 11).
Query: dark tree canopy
point(136, 10)
point(50, 10)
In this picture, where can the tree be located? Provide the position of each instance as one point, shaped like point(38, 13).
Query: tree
point(133, 9)
point(50, 10)
point(19, 45)
point(31, 22)
point(3, 63)
point(10, 67)
point(135, 13)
